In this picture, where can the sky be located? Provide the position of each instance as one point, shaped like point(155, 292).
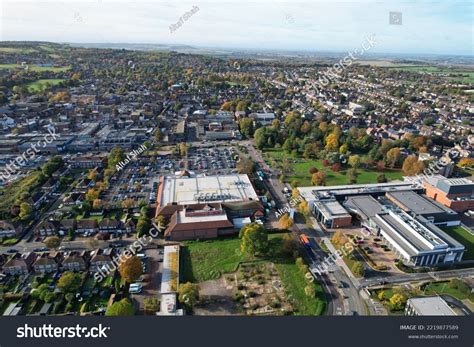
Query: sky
point(423, 27)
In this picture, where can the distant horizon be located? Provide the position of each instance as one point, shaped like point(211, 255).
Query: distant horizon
point(424, 28)
point(371, 54)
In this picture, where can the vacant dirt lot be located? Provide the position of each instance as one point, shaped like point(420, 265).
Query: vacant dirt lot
point(216, 299)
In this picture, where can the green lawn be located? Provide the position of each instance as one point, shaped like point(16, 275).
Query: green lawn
point(442, 288)
point(40, 85)
point(205, 260)
point(35, 67)
point(465, 237)
point(301, 171)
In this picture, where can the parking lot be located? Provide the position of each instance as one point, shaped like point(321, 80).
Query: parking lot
point(218, 160)
point(378, 251)
point(151, 279)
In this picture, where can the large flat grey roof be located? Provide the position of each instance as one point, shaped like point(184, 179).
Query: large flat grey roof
point(332, 208)
point(431, 306)
point(311, 193)
point(416, 203)
point(364, 205)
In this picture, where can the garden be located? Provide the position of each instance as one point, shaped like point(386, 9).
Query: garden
point(207, 260)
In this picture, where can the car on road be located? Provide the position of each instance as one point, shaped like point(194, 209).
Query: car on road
point(41, 249)
point(12, 250)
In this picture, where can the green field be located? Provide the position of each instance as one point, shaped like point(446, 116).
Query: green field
point(40, 85)
point(205, 260)
point(465, 237)
point(442, 288)
point(467, 75)
point(35, 67)
point(16, 50)
point(301, 171)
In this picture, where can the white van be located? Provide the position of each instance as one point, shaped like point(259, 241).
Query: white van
point(135, 290)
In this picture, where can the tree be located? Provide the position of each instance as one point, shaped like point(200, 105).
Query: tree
point(92, 195)
point(245, 166)
point(260, 138)
point(336, 167)
point(246, 127)
point(116, 156)
point(466, 162)
point(332, 142)
point(92, 175)
point(151, 304)
point(294, 183)
point(183, 149)
point(25, 211)
point(397, 302)
point(286, 222)
point(381, 178)
point(289, 244)
point(254, 239)
point(131, 269)
point(123, 307)
point(381, 295)
point(304, 207)
point(69, 282)
point(52, 242)
point(358, 269)
point(352, 176)
point(161, 222)
point(412, 166)
point(43, 292)
point(52, 165)
point(158, 135)
point(188, 294)
point(354, 161)
point(97, 204)
point(318, 179)
point(226, 106)
point(241, 106)
point(143, 226)
point(128, 203)
point(393, 157)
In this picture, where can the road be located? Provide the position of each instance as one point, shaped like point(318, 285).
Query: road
point(339, 302)
point(416, 277)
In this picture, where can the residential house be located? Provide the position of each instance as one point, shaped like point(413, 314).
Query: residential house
point(108, 225)
point(47, 263)
point(10, 229)
point(86, 226)
point(75, 261)
point(67, 225)
point(19, 264)
point(47, 228)
point(101, 259)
